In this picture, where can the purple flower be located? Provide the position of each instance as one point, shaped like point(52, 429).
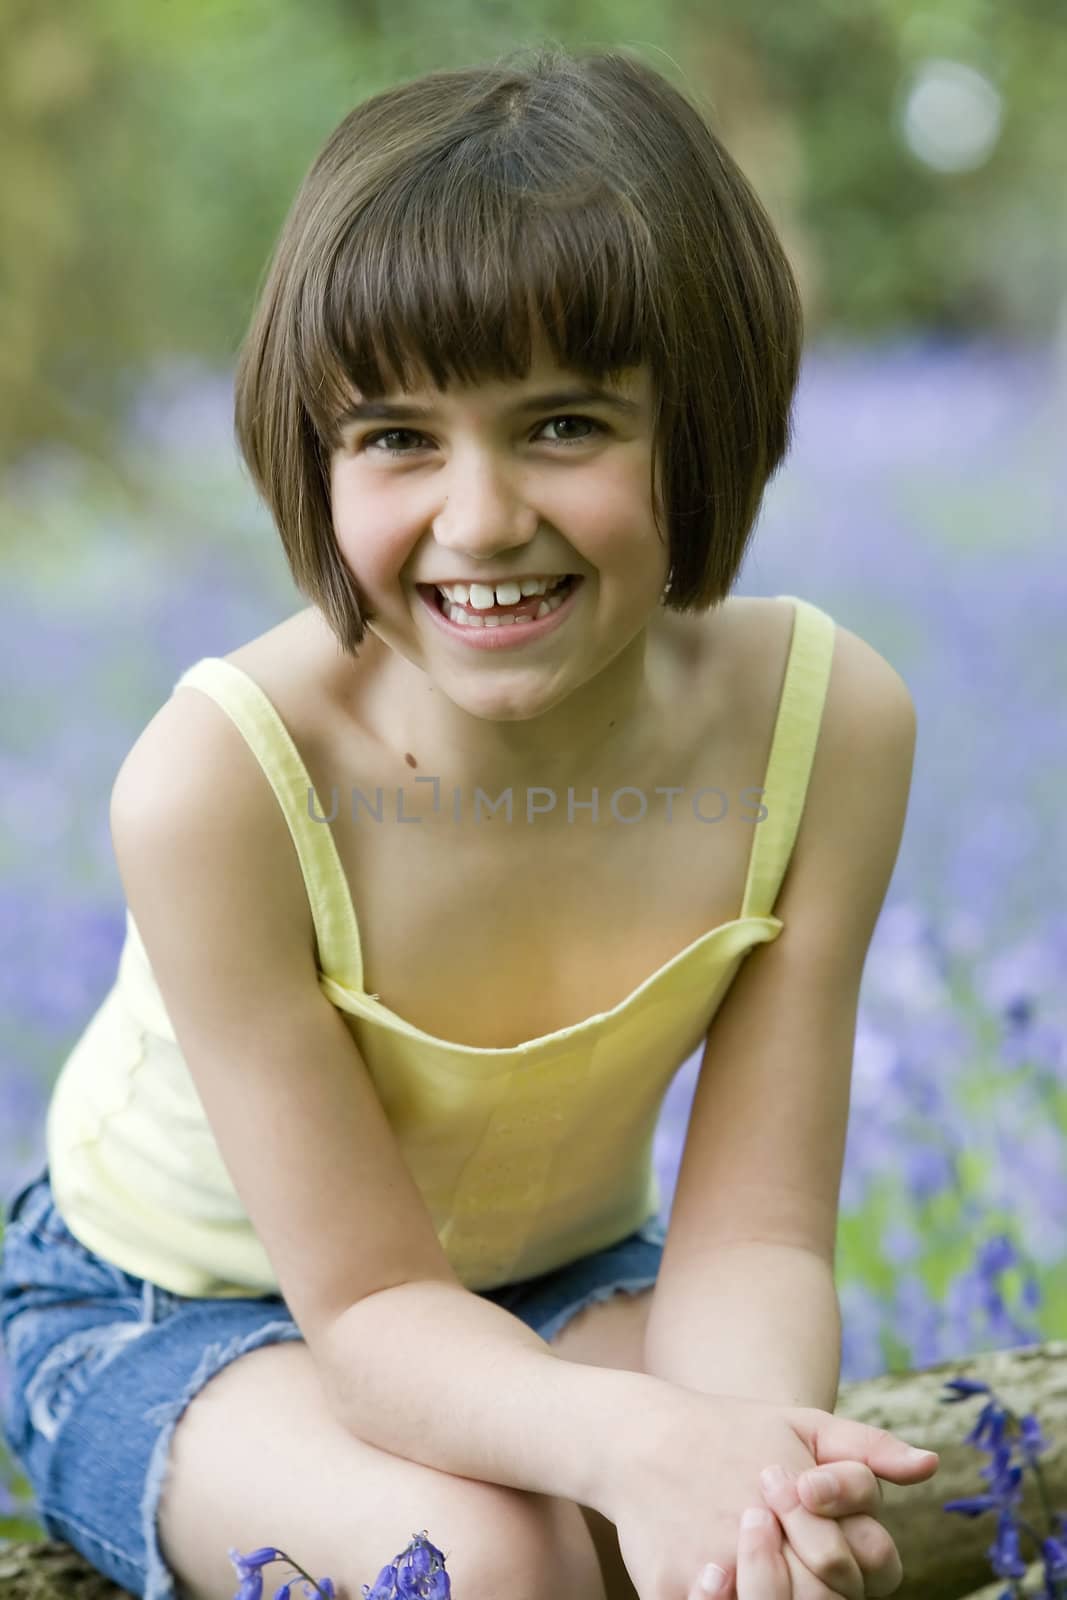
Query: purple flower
point(418, 1573)
point(250, 1570)
point(384, 1585)
point(998, 1431)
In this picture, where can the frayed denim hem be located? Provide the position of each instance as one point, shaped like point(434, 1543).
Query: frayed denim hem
point(159, 1580)
point(595, 1297)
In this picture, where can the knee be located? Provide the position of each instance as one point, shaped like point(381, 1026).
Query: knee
point(526, 1547)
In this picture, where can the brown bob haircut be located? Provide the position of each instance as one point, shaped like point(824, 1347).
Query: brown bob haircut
point(447, 219)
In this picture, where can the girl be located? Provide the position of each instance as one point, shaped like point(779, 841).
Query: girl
point(345, 1175)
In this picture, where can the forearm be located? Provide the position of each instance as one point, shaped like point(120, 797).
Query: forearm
point(433, 1373)
point(760, 1321)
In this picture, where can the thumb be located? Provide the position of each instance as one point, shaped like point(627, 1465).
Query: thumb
point(713, 1583)
point(842, 1439)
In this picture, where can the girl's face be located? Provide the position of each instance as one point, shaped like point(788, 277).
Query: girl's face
point(506, 479)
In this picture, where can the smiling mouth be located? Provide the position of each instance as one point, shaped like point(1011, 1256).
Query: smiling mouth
point(526, 609)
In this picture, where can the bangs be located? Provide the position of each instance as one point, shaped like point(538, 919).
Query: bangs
point(457, 229)
point(453, 273)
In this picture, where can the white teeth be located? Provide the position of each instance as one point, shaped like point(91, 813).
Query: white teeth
point(483, 596)
point(457, 614)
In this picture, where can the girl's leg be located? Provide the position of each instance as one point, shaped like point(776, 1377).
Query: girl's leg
point(257, 1458)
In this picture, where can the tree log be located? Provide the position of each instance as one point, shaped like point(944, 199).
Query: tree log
point(51, 1570)
point(945, 1555)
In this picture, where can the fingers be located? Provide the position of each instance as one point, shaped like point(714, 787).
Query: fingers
point(833, 1439)
point(819, 1543)
point(857, 1490)
point(762, 1573)
point(713, 1582)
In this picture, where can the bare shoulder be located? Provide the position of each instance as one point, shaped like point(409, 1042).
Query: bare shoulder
point(858, 792)
point(865, 697)
point(204, 741)
point(760, 632)
point(868, 714)
point(191, 781)
point(864, 759)
point(190, 750)
point(865, 749)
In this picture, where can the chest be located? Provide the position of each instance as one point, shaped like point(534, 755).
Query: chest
point(491, 933)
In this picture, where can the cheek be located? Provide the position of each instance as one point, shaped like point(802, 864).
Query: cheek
point(372, 547)
point(618, 533)
point(622, 503)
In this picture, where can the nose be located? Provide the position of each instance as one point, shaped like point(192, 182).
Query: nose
point(484, 516)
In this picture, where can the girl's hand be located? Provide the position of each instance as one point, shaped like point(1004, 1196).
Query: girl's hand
point(762, 1573)
point(855, 1506)
point(677, 1494)
point(765, 1568)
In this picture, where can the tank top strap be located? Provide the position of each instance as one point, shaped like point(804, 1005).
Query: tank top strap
point(796, 734)
point(266, 735)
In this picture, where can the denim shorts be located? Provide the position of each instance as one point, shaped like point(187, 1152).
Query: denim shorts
point(101, 1365)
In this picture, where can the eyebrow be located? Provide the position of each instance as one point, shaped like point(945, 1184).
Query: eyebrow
point(367, 410)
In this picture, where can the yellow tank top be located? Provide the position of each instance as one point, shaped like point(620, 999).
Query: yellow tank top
point(527, 1157)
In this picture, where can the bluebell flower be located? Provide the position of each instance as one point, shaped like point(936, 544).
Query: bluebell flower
point(250, 1570)
point(384, 1586)
point(997, 1431)
point(418, 1573)
point(1005, 1556)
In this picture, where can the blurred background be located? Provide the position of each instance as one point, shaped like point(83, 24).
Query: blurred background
point(913, 157)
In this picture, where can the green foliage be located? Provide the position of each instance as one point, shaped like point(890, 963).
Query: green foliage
point(151, 152)
point(20, 1529)
point(14, 1526)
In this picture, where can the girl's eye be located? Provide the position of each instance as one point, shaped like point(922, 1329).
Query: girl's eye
point(395, 433)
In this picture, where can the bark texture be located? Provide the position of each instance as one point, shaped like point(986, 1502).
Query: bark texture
point(51, 1570)
point(944, 1554)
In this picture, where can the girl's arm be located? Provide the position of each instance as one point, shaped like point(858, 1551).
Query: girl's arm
point(431, 1372)
point(410, 1360)
point(745, 1301)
